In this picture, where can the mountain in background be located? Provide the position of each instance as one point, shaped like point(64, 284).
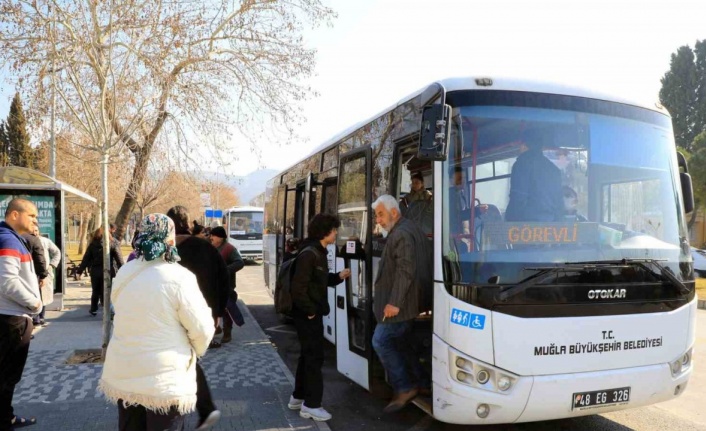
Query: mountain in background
point(248, 186)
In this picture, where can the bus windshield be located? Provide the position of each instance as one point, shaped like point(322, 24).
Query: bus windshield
point(528, 186)
point(245, 223)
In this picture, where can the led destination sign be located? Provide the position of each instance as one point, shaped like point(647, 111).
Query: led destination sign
point(501, 233)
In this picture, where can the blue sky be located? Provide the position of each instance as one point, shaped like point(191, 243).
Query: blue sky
point(379, 51)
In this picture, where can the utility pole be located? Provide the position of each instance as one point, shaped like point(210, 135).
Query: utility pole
point(52, 139)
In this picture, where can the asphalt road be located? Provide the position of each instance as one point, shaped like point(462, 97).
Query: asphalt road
point(354, 409)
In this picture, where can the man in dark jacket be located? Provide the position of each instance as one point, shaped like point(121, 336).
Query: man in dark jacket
point(234, 263)
point(205, 262)
point(200, 257)
point(309, 305)
point(535, 186)
point(36, 249)
point(93, 260)
point(403, 274)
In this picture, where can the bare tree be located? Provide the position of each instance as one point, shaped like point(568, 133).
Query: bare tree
point(126, 71)
point(183, 190)
point(155, 183)
point(206, 66)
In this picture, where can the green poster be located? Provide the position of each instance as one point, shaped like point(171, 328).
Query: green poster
point(45, 215)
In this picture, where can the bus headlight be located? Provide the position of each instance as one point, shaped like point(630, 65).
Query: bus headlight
point(483, 411)
point(686, 358)
point(681, 364)
point(504, 383)
point(471, 372)
point(483, 376)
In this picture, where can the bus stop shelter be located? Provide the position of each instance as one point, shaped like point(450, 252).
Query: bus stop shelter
point(51, 197)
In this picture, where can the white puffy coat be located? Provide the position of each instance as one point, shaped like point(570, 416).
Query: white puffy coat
point(162, 324)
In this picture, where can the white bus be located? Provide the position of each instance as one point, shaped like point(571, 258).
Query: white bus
point(533, 318)
point(244, 227)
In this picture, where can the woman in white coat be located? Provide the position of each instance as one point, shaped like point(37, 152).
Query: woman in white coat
point(162, 324)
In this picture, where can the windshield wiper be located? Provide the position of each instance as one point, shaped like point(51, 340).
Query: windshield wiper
point(547, 272)
point(543, 273)
point(664, 271)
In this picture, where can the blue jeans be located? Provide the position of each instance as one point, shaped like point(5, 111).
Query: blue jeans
point(392, 343)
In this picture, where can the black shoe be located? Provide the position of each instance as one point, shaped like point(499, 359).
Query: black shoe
point(400, 400)
point(93, 313)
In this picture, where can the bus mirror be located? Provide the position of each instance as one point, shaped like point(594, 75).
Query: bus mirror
point(681, 161)
point(687, 191)
point(434, 134)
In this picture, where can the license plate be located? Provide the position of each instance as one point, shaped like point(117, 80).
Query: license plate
point(584, 400)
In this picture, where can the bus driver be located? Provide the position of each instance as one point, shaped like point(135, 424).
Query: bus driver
point(535, 186)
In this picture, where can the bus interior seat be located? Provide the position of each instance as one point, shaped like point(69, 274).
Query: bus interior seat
point(484, 213)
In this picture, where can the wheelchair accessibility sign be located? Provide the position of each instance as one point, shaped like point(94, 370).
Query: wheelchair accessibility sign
point(464, 318)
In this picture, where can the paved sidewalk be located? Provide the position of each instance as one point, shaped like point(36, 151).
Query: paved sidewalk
point(248, 379)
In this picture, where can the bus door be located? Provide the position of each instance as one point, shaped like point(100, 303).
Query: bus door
point(305, 205)
point(299, 211)
point(309, 200)
point(329, 197)
point(354, 296)
point(273, 241)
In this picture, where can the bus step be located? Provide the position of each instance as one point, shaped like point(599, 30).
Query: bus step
point(424, 403)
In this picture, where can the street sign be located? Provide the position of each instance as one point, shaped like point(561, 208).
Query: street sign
point(205, 199)
point(214, 213)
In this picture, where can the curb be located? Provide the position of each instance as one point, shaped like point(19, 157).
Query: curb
point(322, 426)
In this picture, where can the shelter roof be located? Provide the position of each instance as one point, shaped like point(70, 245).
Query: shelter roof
point(15, 177)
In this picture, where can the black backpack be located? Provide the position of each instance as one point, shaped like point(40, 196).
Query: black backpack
point(283, 286)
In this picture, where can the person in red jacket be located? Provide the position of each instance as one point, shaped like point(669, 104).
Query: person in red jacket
point(19, 299)
point(235, 263)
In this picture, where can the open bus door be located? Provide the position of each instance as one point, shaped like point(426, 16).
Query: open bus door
point(309, 199)
point(354, 296)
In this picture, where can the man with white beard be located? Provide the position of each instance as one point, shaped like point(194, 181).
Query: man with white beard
point(403, 274)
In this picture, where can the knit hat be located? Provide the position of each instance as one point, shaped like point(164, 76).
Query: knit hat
point(219, 231)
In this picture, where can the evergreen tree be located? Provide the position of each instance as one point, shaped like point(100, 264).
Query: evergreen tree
point(21, 154)
point(700, 100)
point(697, 169)
point(4, 146)
point(678, 95)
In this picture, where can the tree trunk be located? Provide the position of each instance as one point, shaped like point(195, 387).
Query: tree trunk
point(82, 230)
point(107, 322)
point(133, 189)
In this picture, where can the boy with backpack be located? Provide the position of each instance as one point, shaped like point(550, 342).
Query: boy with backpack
point(309, 296)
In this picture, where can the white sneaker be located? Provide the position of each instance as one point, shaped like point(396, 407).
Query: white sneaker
point(318, 414)
point(295, 403)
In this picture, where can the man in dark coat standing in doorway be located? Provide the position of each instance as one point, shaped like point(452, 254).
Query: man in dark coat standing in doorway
point(403, 274)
